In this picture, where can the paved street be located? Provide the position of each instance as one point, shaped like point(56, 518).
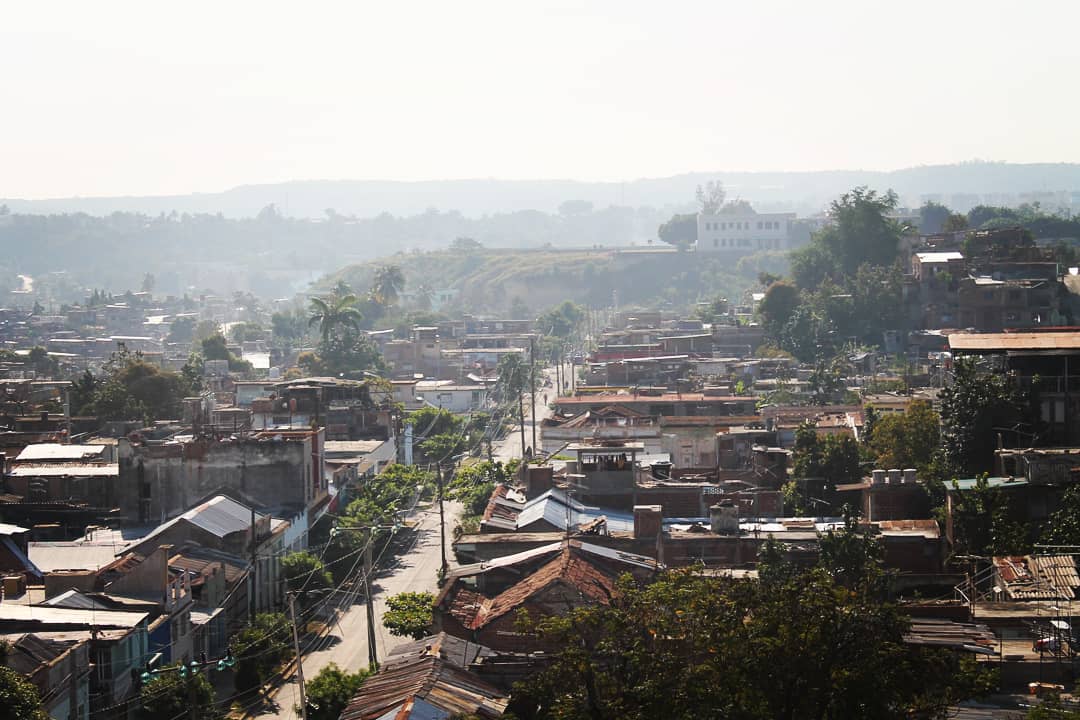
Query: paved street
point(414, 569)
point(510, 446)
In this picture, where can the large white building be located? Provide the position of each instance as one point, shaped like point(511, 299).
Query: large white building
point(743, 232)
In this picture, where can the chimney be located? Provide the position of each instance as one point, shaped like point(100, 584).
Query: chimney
point(537, 480)
point(647, 521)
point(724, 518)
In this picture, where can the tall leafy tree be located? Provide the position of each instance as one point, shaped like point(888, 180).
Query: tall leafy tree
point(909, 439)
point(974, 410)
point(778, 305)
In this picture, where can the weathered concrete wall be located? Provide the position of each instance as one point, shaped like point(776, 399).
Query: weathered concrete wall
point(159, 482)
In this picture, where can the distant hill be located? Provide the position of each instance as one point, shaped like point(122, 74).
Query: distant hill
point(493, 279)
point(803, 192)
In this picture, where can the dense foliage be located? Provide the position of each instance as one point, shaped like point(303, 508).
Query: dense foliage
point(795, 644)
point(408, 614)
point(331, 690)
point(260, 649)
point(975, 408)
point(18, 697)
point(170, 695)
point(129, 388)
point(304, 573)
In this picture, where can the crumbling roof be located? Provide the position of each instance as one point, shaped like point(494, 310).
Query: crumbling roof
point(30, 652)
point(427, 687)
point(65, 469)
point(569, 570)
point(1031, 577)
point(970, 637)
point(449, 648)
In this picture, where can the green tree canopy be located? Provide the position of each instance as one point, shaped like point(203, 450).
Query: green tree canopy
point(778, 305)
point(261, 648)
point(305, 573)
point(333, 314)
point(797, 645)
point(168, 695)
point(910, 439)
point(18, 697)
point(387, 284)
point(680, 231)
point(408, 614)
point(331, 690)
point(974, 409)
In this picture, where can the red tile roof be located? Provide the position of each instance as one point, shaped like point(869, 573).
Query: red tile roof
point(568, 569)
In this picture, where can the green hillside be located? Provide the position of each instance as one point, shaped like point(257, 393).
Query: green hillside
point(489, 280)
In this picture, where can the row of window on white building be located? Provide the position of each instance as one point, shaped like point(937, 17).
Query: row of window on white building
point(761, 225)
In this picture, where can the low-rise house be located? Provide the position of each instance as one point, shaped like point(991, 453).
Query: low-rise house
point(274, 468)
point(425, 687)
point(660, 403)
point(451, 396)
point(576, 575)
point(59, 668)
point(51, 472)
point(15, 562)
point(224, 524)
point(118, 643)
point(601, 424)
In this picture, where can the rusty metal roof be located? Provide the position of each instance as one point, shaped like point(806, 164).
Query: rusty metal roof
point(1018, 341)
point(424, 687)
point(589, 582)
point(971, 637)
point(1030, 577)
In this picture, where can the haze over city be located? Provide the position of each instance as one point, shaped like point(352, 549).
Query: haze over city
point(539, 361)
point(131, 98)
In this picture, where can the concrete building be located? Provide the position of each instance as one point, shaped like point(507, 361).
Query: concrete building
point(278, 469)
point(743, 232)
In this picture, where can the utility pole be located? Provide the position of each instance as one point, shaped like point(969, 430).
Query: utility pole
point(299, 658)
point(254, 565)
point(532, 386)
point(442, 516)
point(373, 657)
point(521, 424)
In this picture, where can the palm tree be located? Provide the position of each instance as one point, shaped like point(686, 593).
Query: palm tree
point(332, 312)
point(388, 282)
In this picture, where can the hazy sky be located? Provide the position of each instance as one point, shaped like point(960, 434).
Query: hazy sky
point(107, 98)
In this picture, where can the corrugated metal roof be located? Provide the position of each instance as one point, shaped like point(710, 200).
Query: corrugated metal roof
point(1004, 342)
point(65, 469)
point(220, 516)
point(44, 452)
point(425, 684)
point(37, 614)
